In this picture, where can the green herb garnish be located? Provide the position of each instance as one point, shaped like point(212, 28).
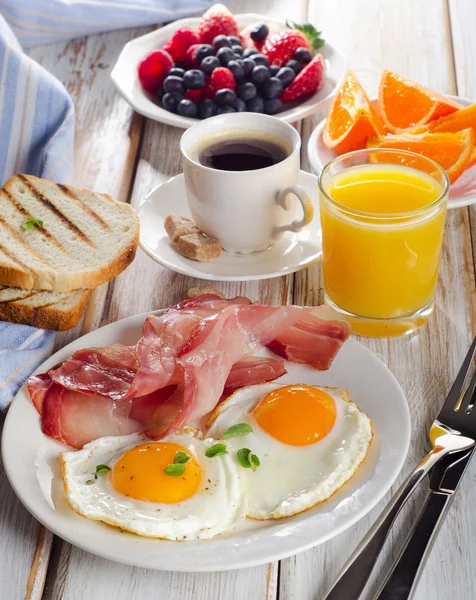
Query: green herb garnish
point(216, 450)
point(247, 459)
point(175, 470)
point(181, 458)
point(237, 430)
point(30, 223)
point(100, 469)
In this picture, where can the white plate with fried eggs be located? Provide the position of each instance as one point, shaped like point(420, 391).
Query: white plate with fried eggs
point(292, 479)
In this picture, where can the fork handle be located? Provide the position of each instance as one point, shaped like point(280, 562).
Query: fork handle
point(355, 573)
point(402, 580)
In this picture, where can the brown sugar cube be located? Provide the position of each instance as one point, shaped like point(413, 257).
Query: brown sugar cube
point(198, 246)
point(203, 289)
point(176, 226)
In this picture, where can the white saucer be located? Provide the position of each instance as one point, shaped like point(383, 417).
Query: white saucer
point(292, 252)
point(462, 192)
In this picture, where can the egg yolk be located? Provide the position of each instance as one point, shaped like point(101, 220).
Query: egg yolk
point(139, 474)
point(297, 415)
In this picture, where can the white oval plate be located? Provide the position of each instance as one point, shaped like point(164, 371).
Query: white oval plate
point(462, 192)
point(124, 74)
point(293, 251)
point(31, 464)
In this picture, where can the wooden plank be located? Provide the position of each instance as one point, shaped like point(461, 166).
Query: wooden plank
point(107, 137)
point(411, 37)
point(146, 286)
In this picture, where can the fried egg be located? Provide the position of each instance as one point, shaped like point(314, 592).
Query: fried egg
point(308, 440)
point(168, 489)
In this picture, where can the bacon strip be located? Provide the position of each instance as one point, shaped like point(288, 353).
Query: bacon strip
point(220, 341)
point(253, 370)
point(119, 371)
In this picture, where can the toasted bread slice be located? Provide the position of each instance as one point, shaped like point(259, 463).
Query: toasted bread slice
point(46, 310)
point(60, 238)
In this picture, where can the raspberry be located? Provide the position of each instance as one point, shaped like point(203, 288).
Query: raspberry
point(153, 70)
point(194, 95)
point(191, 61)
point(209, 89)
point(180, 42)
point(223, 78)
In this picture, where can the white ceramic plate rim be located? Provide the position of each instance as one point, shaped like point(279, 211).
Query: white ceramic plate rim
point(306, 179)
point(124, 73)
point(317, 163)
point(282, 538)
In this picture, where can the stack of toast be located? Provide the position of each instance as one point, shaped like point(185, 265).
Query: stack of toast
point(57, 243)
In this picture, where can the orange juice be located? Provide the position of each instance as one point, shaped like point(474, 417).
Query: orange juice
point(382, 229)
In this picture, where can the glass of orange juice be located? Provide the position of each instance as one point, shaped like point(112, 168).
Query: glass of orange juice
point(382, 215)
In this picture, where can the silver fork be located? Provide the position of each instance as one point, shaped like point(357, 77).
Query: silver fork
point(453, 430)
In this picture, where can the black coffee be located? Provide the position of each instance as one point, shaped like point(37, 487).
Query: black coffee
point(245, 154)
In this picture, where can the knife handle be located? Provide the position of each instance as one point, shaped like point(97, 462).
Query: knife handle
point(402, 580)
point(356, 572)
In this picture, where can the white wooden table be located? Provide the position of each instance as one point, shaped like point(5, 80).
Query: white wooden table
point(121, 153)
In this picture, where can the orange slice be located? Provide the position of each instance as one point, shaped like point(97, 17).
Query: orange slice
point(457, 121)
point(405, 104)
point(352, 118)
point(452, 151)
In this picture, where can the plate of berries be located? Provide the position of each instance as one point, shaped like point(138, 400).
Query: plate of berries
point(223, 63)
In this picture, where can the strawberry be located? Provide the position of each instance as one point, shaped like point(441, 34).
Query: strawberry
point(153, 70)
point(308, 80)
point(180, 42)
point(194, 95)
point(280, 47)
point(190, 60)
point(223, 78)
point(218, 20)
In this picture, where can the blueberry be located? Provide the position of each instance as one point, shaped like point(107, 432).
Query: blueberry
point(250, 52)
point(172, 83)
point(225, 97)
point(260, 59)
point(286, 75)
point(259, 74)
point(272, 88)
point(239, 105)
point(225, 55)
point(259, 33)
point(187, 108)
point(194, 79)
point(271, 107)
point(203, 51)
point(237, 50)
point(221, 110)
point(234, 40)
point(236, 69)
point(171, 101)
point(294, 65)
point(246, 91)
point(303, 55)
point(176, 72)
point(248, 65)
point(160, 94)
point(274, 69)
point(221, 41)
point(256, 104)
point(209, 64)
point(207, 108)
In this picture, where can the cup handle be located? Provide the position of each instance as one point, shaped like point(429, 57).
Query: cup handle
point(307, 207)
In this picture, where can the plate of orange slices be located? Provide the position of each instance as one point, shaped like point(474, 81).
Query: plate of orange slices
point(405, 116)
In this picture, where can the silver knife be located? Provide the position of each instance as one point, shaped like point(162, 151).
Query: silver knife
point(402, 580)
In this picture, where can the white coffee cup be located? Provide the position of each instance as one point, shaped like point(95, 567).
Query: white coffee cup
point(246, 211)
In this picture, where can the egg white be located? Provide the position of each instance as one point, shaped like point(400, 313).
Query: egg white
point(218, 505)
point(291, 479)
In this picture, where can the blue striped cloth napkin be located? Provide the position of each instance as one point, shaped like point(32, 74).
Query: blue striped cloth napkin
point(37, 120)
